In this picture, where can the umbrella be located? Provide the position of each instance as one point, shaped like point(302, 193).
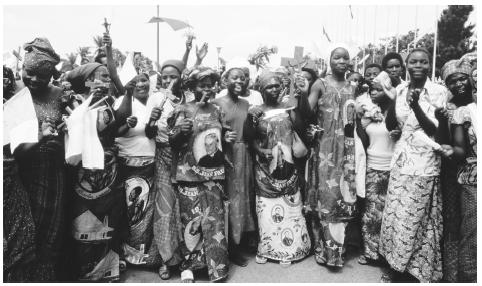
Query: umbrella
point(175, 24)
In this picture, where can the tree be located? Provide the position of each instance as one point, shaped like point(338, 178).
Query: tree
point(453, 40)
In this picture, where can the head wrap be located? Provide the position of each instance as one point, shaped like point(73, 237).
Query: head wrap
point(192, 76)
point(282, 71)
point(41, 57)
point(78, 76)
point(177, 64)
point(384, 80)
point(265, 78)
point(456, 66)
point(237, 63)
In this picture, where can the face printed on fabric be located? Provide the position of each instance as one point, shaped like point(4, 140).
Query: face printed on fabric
point(394, 68)
point(339, 61)
point(418, 65)
point(204, 87)
point(376, 93)
point(236, 82)
point(169, 74)
point(272, 90)
point(36, 80)
point(142, 87)
point(371, 73)
point(211, 143)
point(458, 84)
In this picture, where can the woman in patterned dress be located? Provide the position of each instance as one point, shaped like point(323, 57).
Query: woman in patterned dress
point(196, 136)
point(331, 184)
point(459, 176)
point(283, 235)
point(379, 149)
point(411, 229)
point(40, 159)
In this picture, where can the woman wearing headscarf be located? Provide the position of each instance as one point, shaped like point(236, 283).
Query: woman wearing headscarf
point(136, 172)
point(331, 184)
point(411, 231)
point(283, 235)
point(239, 176)
point(198, 139)
point(458, 176)
point(31, 120)
point(166, 205)
point(378, 146)
point(97, 207)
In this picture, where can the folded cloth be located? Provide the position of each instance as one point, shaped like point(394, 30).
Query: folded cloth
point(20, 123)
point(82, 141)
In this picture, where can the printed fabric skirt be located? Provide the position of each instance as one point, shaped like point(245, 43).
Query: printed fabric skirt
point(18, 227)
point(99, 215)
point(468, 235)
point(43, 177)
point(411, 232)
point(282, 228)
point(376, 191)
point(137, 175)
point(167, 225)
point(203, 221)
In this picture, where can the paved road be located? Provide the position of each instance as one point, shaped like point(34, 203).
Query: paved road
point(303, 271)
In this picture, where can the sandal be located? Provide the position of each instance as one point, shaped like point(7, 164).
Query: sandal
point(261, 259)
point(164, 272)
point(122, 265)
point(285, 263)
point(187, 276)
point(387, 278)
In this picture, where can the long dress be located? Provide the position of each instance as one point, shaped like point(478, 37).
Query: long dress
point(167, 225)
point(199, 176)
point(411, 232)
point(43, 175)
point(98, 212)
point(331, 177)
point(283, 235)
point(136, 172)
point(239, 177)
point(467, 178)
point(18, 225)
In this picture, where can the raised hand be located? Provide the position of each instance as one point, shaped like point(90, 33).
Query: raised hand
point(202, 52)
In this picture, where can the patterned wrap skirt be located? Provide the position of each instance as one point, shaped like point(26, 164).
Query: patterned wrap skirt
point(137, 175)
point(411, 232)
point(203, 221)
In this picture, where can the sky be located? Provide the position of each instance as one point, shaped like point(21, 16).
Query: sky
point(238, 29)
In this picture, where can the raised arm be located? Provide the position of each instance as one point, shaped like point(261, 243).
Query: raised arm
point(111, 64)
point(188, 50)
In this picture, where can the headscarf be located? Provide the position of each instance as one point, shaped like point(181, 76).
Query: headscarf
point(79, 75)
point(193, 76)
point(456, 66)
point(177, 64)
point(384, 80)
point(40, 56)
point(265, 78)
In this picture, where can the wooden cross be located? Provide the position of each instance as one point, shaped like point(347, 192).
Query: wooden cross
point(297, 59)
point(106, 25)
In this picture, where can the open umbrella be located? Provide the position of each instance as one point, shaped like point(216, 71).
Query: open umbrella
point(175, 25)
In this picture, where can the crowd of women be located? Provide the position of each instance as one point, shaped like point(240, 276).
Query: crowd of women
point(191, 169)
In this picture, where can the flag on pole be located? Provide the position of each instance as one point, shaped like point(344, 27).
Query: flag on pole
point(351, 12)
point(326, 34)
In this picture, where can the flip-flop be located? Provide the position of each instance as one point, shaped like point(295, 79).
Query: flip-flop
point(362, 259)
point(261, 259)
point(187, 276)
point(164, 272)
point(122, 265)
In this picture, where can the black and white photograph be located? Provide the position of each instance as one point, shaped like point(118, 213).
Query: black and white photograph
point(239, 141)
